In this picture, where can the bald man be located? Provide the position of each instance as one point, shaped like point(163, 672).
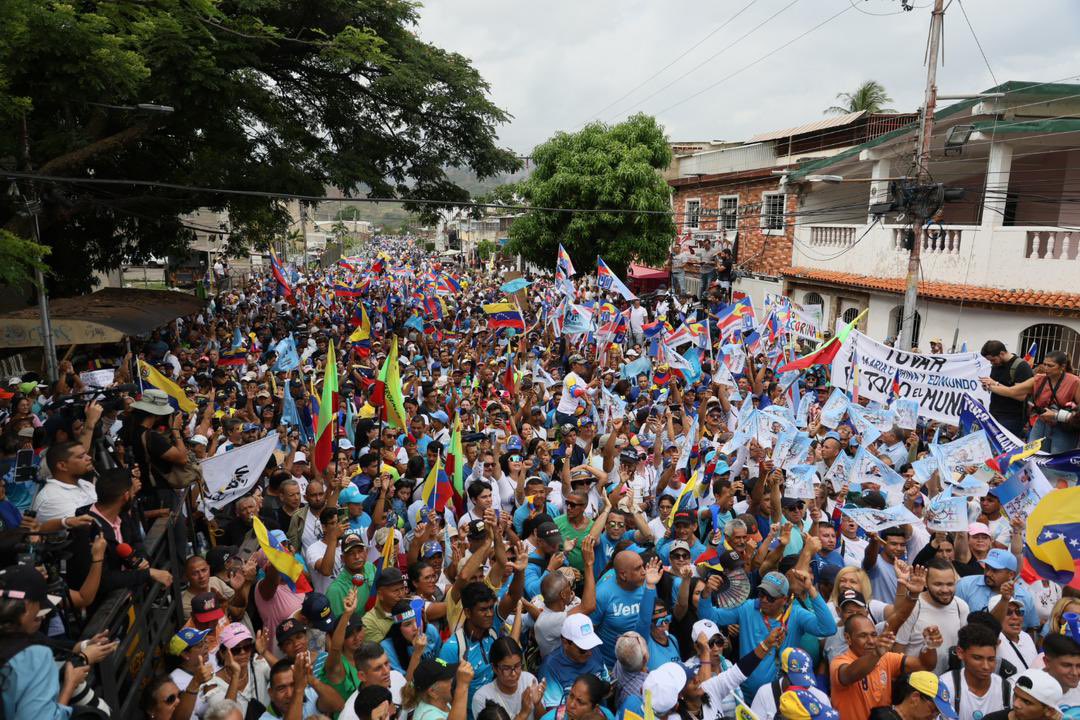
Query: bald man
point(618, 601)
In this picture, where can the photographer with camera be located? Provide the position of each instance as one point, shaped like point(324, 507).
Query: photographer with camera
point(152, 432)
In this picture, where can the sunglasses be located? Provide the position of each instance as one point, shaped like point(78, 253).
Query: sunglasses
point(575, 504)
point(680, 556)
point(716, 641)
point(489, 464)
point(662, 620)
point(170, 698)
point(515, 458)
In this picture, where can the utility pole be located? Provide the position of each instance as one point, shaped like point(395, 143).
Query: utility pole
point(303, 232)
point(922, 162)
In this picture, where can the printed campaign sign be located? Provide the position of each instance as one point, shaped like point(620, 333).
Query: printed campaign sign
point(806, 322)
point(800, 482)
point(967, 451)
point(834, 408)
point(906, 412)
point(839, 473)
point(230, 475)
point(866, 468)
point(924, 469)
point(947, 513)
point(867, 429)
point(872, 520)
point(938, 382)
point(98, 378)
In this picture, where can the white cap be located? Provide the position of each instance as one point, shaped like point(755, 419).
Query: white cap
point(299, 457)
point(664, 685)
point(344, 444)
point(704, 627)
point(1040, 685)
point(200, 440)
point(578, 629)
point(995, 599)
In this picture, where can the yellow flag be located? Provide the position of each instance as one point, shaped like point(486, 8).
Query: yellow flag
point(689, 487)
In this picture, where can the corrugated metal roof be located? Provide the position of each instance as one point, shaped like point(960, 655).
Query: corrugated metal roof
point(823, 124)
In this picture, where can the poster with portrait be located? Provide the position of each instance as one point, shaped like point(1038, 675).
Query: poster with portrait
point(946, 513)
point(800, 482)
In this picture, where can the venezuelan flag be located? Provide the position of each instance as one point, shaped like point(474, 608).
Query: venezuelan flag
point(285, 562)
point(279, 275)
point(504, 315)
point(1029, 356)
point(437, 490)
point(685, 494)
point(1052, 539)
point(154, 379)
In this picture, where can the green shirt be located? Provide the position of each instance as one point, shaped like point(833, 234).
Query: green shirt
point(569, 532)
point(343, 583)
point(347, 686)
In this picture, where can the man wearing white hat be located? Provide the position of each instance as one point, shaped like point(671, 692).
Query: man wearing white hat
point(1036, 696)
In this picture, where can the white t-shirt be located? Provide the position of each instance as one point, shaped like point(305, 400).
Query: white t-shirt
point(972, 706)
point(1021, 652)
point(510, 703)
point(548, 631)
point(568, 404)
point(313, 554)
point(397, 682)
point(1044, 594)
point(852, 550)
point(60, 499)
point(948, 618)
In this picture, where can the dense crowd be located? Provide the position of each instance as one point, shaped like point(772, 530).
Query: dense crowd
point(473, 509)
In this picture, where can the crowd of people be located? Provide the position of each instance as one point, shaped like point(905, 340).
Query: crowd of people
point(499, 519)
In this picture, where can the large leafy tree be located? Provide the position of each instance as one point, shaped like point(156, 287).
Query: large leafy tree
point(269, 95)
point(870, 96)
point(601, 167)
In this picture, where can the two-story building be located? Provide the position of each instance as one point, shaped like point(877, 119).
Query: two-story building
point(731, 193)
point(1003, 263)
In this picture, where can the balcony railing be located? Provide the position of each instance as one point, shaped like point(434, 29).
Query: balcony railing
point(1052, 244)
point(936, 240)
point(832, 235)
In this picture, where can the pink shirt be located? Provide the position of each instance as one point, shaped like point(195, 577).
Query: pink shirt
point(115, 524)
point(284, 604)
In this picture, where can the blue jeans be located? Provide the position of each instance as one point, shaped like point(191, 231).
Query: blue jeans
point(706, 280)
point(1057, 438)
point(678, 281)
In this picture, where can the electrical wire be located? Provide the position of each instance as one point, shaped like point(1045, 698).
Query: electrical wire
point(978, 44)
point(686, 52)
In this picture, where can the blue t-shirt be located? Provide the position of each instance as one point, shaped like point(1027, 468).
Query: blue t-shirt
point(522, 514)
point(477, 653)
point(616, 613)
point(976, 593)
point(560, 672)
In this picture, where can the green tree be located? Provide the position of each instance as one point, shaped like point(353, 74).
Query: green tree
point(601, 167)
point(274, 95)
point(870, 96)
point(485, 249)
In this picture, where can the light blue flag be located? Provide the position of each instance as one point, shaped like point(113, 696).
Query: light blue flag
point(631, 370)
point(237, 339)
point(289, 414)
point(578, 319)
point(287, 357)
point(350, 417)
point(693, 357)
point(608, 280)
point(515, 285)
point(415, 323)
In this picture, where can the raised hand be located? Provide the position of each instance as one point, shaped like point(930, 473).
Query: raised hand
point(654, 570)
point(775, 637)
point(348, 603)
point(419, 643)
point(932, 637)
point(885, 642)
point(464, 673)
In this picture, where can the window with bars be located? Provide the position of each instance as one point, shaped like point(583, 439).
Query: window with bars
point(1048, 337)
point(812, 298)
point(772, 211)
point(897, 317)
point(850, 314)
point(729, 213)
point(693, 214)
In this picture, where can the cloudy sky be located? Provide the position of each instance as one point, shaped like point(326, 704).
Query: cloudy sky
point(556, 64)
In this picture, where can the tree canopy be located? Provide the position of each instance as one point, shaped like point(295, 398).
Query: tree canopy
point(283, 96)
point(870, 96)
point(601, 167)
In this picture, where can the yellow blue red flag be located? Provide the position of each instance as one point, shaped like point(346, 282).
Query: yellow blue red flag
point(1052, 539)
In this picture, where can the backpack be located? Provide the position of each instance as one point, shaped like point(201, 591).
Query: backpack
point(1006, 690)
point(179, 477)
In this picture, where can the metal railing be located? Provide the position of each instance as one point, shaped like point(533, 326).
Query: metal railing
point(142, 620)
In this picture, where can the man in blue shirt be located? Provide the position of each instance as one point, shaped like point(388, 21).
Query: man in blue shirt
point(684, 525)
point(1001, 567)
point(537, 489)
point(573, 658)
point(618, 601)
point(773, 607)
point(654, 621)
point(473, 640)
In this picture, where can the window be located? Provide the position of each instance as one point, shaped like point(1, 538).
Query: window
point(812, 298)
point(773, 206)
point(693, 214)
point(1048, 337)
point(850, 314)
point(729, 213)
point(896, 321)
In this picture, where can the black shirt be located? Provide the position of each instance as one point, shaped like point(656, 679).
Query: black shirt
point(997, 715)
point(887, 713)
point(1002, 408)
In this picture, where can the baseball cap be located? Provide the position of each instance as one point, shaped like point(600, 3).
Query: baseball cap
point(24, 582)
point(928, 684)
point(514, 443)
point(429, 672)
point(389, 577)
point(289, 627)
point(218, 556)
point(568, 428)
point(704, 627)
point(1041, 686)
point(299, 457)
point(578, 629)
point(549, 531)
point(804, 705)
point(316, 608)
point(186, 638)
point(852, 596)
point(664, 685)
point(791, 503)
point(345, 444)
point(684, 516)
point(796, 663)
point(205, 607)
point(235, 633)
point(827, 573)
point(999, 559)
point(679, 545)
point(629, 455)
point(430, 548)
point(351, 494)
point(351, 539)
point(775, 584)
point(978, 528)
point(995, 599)
point(576, 359)
point(475, 528)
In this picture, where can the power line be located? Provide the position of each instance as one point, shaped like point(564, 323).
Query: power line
point(649, 79)
point(978, 44)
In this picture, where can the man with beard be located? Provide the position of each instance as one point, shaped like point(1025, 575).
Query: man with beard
point(357, 572)
point(937, 606)
point(304, 527)
point(684, 528)
point(999, 578)
point(879, 562)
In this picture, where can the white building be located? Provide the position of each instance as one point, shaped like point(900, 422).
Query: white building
point(1003, 263)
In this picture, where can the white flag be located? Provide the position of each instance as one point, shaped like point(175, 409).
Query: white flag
point(230, 475)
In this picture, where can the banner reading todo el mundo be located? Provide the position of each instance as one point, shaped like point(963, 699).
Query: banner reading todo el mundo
point(937, 382)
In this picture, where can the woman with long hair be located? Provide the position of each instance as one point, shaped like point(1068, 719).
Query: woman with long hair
point(404, 640)
point(513, 688)
point(244, 675)
point(1054, 401)
point(584, 700)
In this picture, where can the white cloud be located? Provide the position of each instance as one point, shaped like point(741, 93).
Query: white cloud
point(552, 64)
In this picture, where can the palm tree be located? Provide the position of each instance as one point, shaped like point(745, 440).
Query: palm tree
point(870, 96)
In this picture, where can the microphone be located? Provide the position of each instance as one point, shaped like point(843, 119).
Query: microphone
point(127, 556)
point(358, 579)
